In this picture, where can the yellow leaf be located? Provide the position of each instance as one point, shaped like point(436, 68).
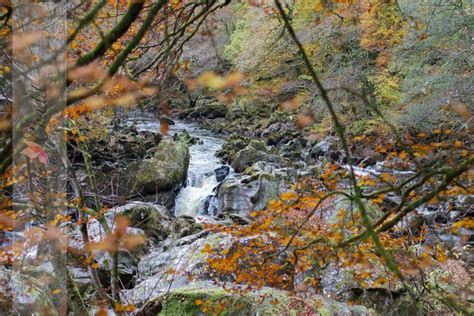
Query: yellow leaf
point(289, 196)
point(403, 155)
point(319, 6)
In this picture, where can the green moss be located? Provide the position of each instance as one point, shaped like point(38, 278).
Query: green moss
point(205, 299)
point(204, 302)
point(364, 126)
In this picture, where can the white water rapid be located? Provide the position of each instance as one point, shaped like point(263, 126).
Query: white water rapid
point(201, 181)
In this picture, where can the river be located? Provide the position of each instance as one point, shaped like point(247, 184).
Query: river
point(201, 180)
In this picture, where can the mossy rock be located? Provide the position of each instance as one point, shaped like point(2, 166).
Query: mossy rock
point(199, 302)
point(257, 144)
point(152, 219)
point(208, 109)
point(212, 300)
point(254, 152)
point(166, 170)
point(364, 127)
point(233, 144)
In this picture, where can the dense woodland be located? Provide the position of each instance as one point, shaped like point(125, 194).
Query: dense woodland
point(236, 157)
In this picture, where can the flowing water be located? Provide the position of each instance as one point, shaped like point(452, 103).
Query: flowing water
point(202, 179)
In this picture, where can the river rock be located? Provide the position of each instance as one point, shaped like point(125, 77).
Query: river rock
point(125, 143)
point(24, 295)
point(184, 136)
point(154, 220)
point(221, 173)
point(325, 148)
point(233, 144)
point(210, 109)
point(265, 301)
point(254, 152)
point(165, 198)
point(183, 226)
point(236, 196)
point(187, 260)
point(166, 120)
point(150, 221)
point(166, 170)
point(127, 267)
point(279, 133)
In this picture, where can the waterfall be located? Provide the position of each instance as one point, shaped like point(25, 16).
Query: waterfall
point(201, 176)
point(195, 197)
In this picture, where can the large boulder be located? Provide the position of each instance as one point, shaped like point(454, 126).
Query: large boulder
point(166, 170)
point(206, 108)
point(233, 144)
point(255, 151)
point(252, 193)
point(328, 148)
point(154, 220)
point(199, 298)
point(121, 144)
point(150, 222)
point(173, 266)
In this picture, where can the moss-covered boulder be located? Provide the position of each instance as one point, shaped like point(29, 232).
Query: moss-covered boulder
point(166, 170)
point(121, 143)
point(233, 144)
point(154, 220)
point(176, 264)
point(204, 299)
point(255, 151)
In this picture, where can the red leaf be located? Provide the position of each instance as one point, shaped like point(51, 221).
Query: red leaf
point(35, 151)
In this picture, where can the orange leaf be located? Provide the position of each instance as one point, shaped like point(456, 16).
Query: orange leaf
point(164, 128)
point(304, 120)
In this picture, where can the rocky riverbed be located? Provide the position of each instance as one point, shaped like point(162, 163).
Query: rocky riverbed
point(171, 186)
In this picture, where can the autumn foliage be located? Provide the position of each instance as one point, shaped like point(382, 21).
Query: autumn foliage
point(328, 67)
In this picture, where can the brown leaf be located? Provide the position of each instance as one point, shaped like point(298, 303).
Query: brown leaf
point(292, 103)
point(21, 41)
point(130, 242)
point(304, 120)
point(164, 128)
point(87, 73)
